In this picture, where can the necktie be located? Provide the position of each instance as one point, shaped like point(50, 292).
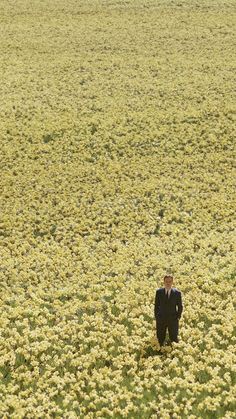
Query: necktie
point(167, 294)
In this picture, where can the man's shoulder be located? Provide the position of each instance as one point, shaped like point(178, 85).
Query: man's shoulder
point(161, 289)
point(176, 290)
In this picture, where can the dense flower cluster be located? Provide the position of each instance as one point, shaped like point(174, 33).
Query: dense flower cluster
point(116, 168)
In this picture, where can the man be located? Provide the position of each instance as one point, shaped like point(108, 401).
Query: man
point(166, 314)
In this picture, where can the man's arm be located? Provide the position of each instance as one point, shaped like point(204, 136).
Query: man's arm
point(157, 304)
point(179, 304)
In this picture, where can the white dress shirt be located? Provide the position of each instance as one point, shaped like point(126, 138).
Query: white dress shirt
point(168, 292)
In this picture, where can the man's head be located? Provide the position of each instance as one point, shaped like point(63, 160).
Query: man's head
point(168, 281)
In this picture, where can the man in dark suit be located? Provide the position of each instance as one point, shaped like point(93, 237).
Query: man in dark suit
point(167, 316)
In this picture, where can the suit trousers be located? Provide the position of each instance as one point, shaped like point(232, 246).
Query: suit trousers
point(162, 324)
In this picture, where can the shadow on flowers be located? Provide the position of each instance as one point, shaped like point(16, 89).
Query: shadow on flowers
point(151, 348)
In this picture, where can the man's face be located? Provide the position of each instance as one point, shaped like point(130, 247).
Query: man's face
point(168, 282)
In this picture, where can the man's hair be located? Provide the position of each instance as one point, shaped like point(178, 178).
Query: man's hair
point(168, 276)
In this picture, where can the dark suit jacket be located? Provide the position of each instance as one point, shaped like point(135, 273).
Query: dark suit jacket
point(171, 308)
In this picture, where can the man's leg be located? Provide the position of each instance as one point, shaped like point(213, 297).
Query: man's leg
point(161, 330)
point(173, 329)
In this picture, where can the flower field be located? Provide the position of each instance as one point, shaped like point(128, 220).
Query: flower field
point(117, 165)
